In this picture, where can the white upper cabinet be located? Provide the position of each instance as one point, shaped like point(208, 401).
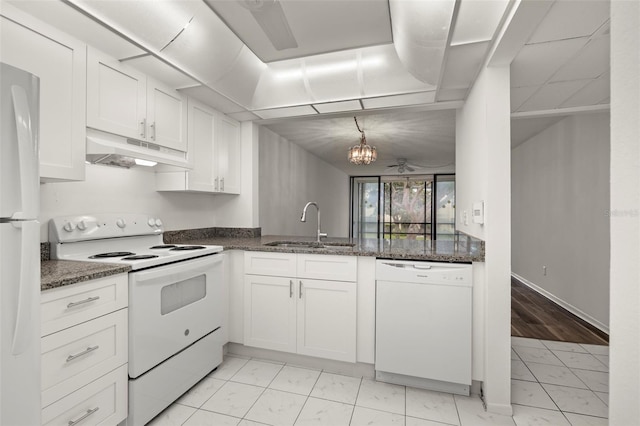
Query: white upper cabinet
point(116, 101)
point(228, 155)
point(214, 149)
point(60, 62)
point(125, 102)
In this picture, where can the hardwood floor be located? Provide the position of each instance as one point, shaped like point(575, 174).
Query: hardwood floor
point(535, 316)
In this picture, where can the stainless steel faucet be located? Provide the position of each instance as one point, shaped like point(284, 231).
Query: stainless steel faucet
point(304, 218)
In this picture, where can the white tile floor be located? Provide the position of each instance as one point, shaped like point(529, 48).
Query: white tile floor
point(553, 383)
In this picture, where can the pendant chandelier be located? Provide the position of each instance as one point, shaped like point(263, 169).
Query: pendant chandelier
point(362, 153)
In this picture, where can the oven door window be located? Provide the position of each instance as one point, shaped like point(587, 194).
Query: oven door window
point(183, 293)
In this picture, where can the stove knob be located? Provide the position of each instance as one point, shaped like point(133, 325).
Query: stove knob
point(158, 223)
point(82, 225)
point(151, 222)
point(121, 223)
point(69, 227)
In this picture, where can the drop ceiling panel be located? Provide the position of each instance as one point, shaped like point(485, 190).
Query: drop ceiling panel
point(520, 94)
point(154, 23)
point(244, 116)
point(552, 95)
point(571, 19)
point(592, 94)
point(590, 62)
point(206, 48)
point(212, 98)
point(463, 64)
point(280, 86)
point(477, 20)
point(159, 70)
point(452, 94)
point(390, 77)
point(241, 80)
point(318, 26)
point(295, 111)
point(78, 25)
point(333, 77)
point(399, 100)
point(353, 105)
point(536, 63)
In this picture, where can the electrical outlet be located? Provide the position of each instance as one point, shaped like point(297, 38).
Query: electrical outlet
point(544, 271)
point(465, 217)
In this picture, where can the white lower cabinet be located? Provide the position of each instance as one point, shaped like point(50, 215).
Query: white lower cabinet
point(326, 319)
point(298, 314)
point(101, 402)
point(84, 352)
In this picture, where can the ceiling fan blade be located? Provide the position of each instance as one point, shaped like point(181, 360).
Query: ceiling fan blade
point(408, 167)
point(273, 22)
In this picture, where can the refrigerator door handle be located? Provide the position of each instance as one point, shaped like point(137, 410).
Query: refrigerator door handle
point(29, 279)
point(28, 155)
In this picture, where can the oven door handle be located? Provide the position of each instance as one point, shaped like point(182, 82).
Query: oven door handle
point(179, 271)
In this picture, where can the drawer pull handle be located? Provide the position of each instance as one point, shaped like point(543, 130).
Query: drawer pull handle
point(86, 351)
point(82, 302)
point(290, 288)
point(84, 416)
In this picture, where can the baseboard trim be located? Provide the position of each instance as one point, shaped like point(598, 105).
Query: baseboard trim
point(569, 307)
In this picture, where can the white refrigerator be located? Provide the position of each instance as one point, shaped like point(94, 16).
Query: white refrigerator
point(19, 249)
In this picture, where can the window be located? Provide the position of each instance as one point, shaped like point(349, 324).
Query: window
point(420, 207)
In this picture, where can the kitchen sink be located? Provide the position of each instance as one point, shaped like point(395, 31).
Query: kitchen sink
point(311, 245)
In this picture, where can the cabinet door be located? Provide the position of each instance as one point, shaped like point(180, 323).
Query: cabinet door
point(270, 313)
point(166, 116)
point(327, 319)
point(228, 155)
point(59, 61)
point(201, 134)
point(116, 97)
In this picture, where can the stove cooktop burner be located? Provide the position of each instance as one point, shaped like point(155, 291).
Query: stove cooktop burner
point(111, 254)
point(139, 257)
point(163, 246)
point(182, 248)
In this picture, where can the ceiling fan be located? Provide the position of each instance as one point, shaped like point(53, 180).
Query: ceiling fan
point(271, 18)
point(404, 166)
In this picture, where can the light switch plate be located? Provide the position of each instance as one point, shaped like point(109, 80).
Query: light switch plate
point(478, 212)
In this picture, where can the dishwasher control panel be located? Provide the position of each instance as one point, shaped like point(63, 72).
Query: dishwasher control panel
point(424, 272)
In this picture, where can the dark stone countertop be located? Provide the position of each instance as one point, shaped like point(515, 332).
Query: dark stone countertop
point(58, 273)
point(462, 249)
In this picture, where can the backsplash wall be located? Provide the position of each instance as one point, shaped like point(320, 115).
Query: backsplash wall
point(117, 190)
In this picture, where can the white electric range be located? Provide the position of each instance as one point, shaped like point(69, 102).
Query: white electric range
point(176, 301)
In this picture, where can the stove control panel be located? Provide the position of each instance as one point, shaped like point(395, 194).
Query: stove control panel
point(109, 225)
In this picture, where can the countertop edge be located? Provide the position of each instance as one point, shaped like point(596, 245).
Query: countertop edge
point(60, 273)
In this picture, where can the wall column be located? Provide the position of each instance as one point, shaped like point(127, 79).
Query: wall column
point(624, 380)
point(483, 170)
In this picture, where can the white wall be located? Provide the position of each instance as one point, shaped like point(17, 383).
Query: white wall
point(482, 174)
point(290, 177)
point(560, 203)
point(624, 380)
point(117, 190)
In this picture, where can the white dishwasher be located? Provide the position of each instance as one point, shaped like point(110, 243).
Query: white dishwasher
point(423, 324)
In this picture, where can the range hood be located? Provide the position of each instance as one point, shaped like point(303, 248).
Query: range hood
point(113, 150)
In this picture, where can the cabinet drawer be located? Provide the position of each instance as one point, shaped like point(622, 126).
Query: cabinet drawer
point(268, 263)
point(327, 267)
point(78, 355)
point(66, 306)
point(101, 402)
